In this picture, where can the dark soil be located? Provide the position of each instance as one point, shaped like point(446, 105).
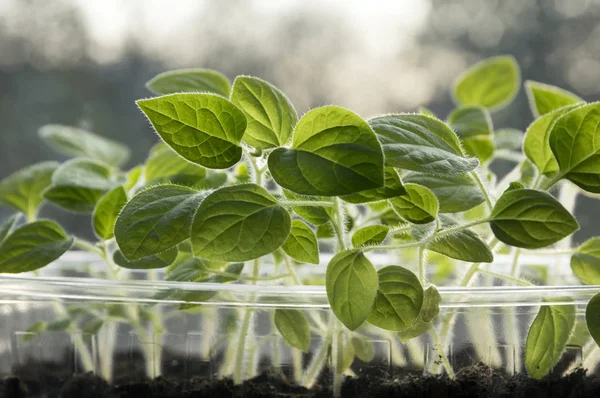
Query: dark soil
point(476, 381)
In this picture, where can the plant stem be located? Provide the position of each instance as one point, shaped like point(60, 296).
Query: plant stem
point(239, 356)
point(506, 277)
point(338, 225)
point(515, 269)
point(319, 359)
point(422, 265)
point(442, 354)
point(90, 247)
point(312, 203)
point(444, 232)
point(338, 358)
point(484, 192)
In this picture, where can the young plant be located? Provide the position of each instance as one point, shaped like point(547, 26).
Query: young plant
point(239, 179)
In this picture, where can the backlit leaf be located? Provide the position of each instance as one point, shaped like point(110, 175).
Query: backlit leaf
point(418, 206)
point(159, 260)
point(392, 187)
point(334, 152)
point(544, 98)
point(205, 129)
point(239, 223)
point(585, 262)
point(271, 116)
point(421, 143)
point(190, 80)
point(455, 194)
point(530, 219)
point(76, 142)
point(106, 212)
point(399, 299)
point(294, 328)
point(32, 246)
point(492, 83)
point(351, 283)
point(301, 244)
point(370, 235)
point(22, 190)
point(155, 220)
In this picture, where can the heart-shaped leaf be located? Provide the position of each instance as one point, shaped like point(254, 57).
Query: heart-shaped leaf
point(294, 328)
point(418, 206)
point(317, 215)
point(23, 190)
point(421, 143)
point(576, 147)
point(351, 283)
point(156, 219)
point(547, 338)
point(537, 141)
point(399, 299)
point(492, 83)
point(76, 142)
point(271, 116)
point(239, 223)
point(190, 80)
point(33, 246)
point(334, 152)
point(585, 262)
point(464, 245)
point(592, 318)
point(301, 244)
point(205, 129)
point(530, 219)
point(544, 98)
point(78, 184)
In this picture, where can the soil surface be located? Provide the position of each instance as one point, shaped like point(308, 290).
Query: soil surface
point(48, 381)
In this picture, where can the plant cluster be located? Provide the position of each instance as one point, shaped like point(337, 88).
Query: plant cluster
point(238, 179)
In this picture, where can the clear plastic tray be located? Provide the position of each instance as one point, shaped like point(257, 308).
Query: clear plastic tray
point(54, 326)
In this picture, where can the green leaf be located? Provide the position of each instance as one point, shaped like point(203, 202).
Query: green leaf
point(363, 348)
point(239, 223)
point(22, 190)
point(508, 139)
point(455, 194)
point(33, 246)
point(301, 244)
point(544, 98)
point(426, 111)
point(334, 152)
point(159, 260)
point(76, 142)
point(464, 245)
point(59, 325)
point(592, 318)
point(399, 299)
point(233, 269)
point(537, 145)
point(155, 220)
point(548, 337)
point(313, 214)
point(351, 284)
point(78, 184)
point(530, 219)
point(429, 311)
point(575, 144)
point(165, 165)
point(271, 116)
point(92, 327)
point(192, 269)
point(205, 129)
point(492, 83)
point(418, 206)
point(133, 177)
point(421, 143)
point(392, 187)
point(107, 209)
point(585, 262)
point(431, 304)
point(293, 327)
point(8, 226)
point(370, 235)
point(190, 80)
point(473, 125)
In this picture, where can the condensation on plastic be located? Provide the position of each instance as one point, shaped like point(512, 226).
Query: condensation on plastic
point(144, 335)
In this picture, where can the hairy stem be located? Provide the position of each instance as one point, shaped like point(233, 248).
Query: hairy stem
point(484, 192)
point(422, 265)
point(506, 277)
point(442, 354)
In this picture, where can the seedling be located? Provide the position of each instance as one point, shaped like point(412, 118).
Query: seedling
point(239, 180)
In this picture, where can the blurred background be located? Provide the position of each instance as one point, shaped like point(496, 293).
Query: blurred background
point(84, 63)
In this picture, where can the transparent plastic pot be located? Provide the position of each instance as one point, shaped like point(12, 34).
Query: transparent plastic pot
point(52, 326)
